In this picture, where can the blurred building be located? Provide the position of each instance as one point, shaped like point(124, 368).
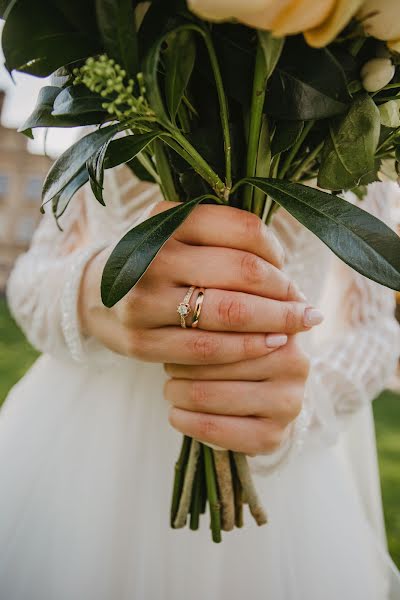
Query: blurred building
point(21, 179)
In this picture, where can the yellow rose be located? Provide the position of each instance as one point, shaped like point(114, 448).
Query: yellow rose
point(381, 19)
point(320, 21)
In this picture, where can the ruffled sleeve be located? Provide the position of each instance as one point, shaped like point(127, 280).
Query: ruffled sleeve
point(357, 356)
point(43, 288)
point(46, 277)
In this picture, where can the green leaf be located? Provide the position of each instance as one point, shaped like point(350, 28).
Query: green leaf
point(77, 101)
point(41, 115)
point(286, 135)
point(116, 21)
point(137, 249)
point(45, 114)
point(361, 240)
point(125, 149)
point(73, 160)
point(272, 48)
point(179, 56)
point(61, 201)
point(139, 171)
point(95, 168)
point(308, 84)
point(37, 38)
point(349, 151)
point(390, 114)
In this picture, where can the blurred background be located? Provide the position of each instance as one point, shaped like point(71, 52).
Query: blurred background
point(23, 166)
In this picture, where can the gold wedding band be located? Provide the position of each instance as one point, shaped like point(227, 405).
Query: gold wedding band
point(197, 308)
point(184, 308)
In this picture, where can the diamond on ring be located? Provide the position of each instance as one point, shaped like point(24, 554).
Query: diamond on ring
point(184, 308)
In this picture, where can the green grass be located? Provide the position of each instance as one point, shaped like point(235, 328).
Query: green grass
point(16, 355)
point(387, 422)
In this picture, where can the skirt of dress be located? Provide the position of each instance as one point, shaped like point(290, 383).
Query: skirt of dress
point(86, 466)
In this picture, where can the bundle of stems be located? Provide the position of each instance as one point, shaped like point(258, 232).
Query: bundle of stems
point(203, 474)
point(220, 478)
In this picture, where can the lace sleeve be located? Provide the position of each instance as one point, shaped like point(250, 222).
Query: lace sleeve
point(357, 356)
point(44, 286)
point(46, 276)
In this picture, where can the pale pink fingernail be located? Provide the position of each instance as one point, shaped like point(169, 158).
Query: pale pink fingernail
point(312, 317)
point(275, 340)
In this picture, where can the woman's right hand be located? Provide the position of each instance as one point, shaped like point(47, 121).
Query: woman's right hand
point(249, 308)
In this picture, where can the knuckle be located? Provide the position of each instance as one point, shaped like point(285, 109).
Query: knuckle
point(205, 348)
point(252, 225)
point(232, 312)
point(206, 427)
point(252, 269)
point(198, 396)
point(269, 439)
point(279, 252)
point(290, 405)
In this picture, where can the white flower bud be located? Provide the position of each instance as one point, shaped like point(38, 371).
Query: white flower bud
point(377, 73)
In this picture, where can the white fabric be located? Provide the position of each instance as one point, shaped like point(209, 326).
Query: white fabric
point(86, 452)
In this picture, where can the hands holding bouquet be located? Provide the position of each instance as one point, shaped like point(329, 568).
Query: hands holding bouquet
point(222, 114)
point(231, 384)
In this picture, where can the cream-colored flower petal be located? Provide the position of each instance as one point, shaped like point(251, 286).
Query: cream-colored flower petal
point(343, 12)
point(224, 10)
point(264, 19)
point(301, 15)
point(381, 18)
point(394, 45)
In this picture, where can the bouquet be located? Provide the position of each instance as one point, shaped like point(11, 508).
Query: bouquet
point(226, 102)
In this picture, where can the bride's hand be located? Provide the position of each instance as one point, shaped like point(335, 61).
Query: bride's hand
point(246, 407)
point(249, 307)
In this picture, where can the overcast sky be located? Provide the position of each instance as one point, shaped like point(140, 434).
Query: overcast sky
point(21, 99)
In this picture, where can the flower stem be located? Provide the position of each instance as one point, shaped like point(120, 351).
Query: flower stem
point(308, 161)
point(249, 490)
point(180, 467)
point(164, 170)
point(187, 490)
point(177, 141)
point(225, 488)
point(262, 167)
point(212, 494)
point(256, 113)
point(292, 154)
point(195, 506)
point(238, 493)
point(224, 109)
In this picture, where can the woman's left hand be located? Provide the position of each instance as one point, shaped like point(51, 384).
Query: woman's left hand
point(247, 406)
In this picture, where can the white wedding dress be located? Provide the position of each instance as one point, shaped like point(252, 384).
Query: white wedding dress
point(87, 454)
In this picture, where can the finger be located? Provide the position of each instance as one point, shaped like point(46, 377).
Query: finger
point(229, 227)
point(273, 400)
point(287, 362)
point(194, 347)
point(226, 269)
point(238, 312)
point(249, 435)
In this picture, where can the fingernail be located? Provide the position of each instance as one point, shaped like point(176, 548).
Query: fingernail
point(275, 340)
point(312, 317)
